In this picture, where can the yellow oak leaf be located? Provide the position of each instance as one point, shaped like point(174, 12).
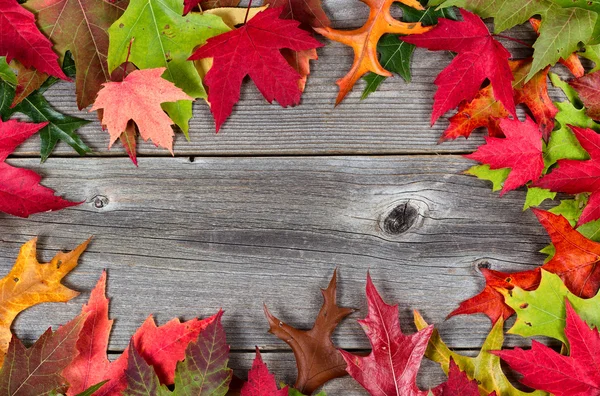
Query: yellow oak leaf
point(30, 282)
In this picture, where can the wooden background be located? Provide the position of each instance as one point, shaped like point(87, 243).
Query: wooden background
point(264, 211)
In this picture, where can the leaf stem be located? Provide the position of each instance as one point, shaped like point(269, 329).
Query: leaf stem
point(127, 58)
point(247, 11)
point(512, 39)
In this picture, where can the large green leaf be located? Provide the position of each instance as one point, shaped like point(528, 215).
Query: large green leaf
point(158, 36)
point(542, 312)
point(506, 13)
point(561, 31)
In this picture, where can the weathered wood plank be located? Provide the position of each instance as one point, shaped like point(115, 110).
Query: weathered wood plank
point(186, 238)
point(395, 120)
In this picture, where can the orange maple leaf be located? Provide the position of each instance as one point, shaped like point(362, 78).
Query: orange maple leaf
point(364, 40)
point(138, 97)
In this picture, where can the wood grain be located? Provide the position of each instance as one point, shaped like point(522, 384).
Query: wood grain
point(185, 238)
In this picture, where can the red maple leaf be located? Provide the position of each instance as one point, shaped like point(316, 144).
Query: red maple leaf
point(576, 257)
point(574, 177)
point(479, 57)
point(162, 347)
point(520, 150)
point(308, 12)
point(260, 381)
point(545, 369)
point(588, 89)
point(458, 384)
point(575, 261)
point(391, 367)
point(254, 50)
point(20, 191)
point(21, 39)
point(491, 302)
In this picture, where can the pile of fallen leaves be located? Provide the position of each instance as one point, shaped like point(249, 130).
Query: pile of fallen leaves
point(558, 300)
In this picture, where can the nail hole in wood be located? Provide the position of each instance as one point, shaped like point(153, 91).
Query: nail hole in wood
point(483, 264)
point(400, 219)
point(192, 159)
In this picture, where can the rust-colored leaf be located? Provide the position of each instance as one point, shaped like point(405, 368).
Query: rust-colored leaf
point(318, 360)
point(364, 40)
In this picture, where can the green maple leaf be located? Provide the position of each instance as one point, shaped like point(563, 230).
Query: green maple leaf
point(37, 370)
point(496, 176)
point(6, 72)
point(36, 107)
point(561, 31)
point(80, 26)
point(563, 144)
point(296, 392)
point(163, 38)
point(395, 54)
point(484, 368)
point(542, 312)
point(204, 371)
point(535, 196)
point(506, 13)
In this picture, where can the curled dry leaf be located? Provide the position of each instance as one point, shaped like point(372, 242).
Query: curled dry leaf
point(317, 359)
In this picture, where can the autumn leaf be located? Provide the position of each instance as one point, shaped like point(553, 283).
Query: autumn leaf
point(364, 40)
point(573, 375)
point(479, 57)
point(317, 359)
point(58, 127)
point(190, 5)
point(154, 34)
point(80, 26)
point(485, 111)
point(37, 370)
point(395, 54)
point(391, 367)
point(20, 191)
point(458, 384)
point(20, 39)
point(90, 365)
point(254, 50)
point(260, 381)
point(484, 368)
point(587, 87)
point(520, 150)
point(203, 372)
point(138, 97)
point(490, 301)
point(573, 176)
point(542, 312)
point(162, 347)
point(561, 31)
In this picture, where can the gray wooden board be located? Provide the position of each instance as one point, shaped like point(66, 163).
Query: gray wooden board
point(394, 120)
point(185, 238)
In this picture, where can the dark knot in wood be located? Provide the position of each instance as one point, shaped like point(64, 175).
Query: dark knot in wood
point(401, 218)
point(480, 264)
point(100, 201)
